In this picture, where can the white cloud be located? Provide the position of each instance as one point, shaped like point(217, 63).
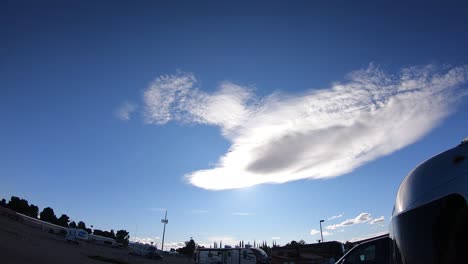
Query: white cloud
point(335, 217)
point(377, 220)
point(318, 134)
point(125, 110)
point(361, 218)
point(243, 213)
point(199, 211)
point(314, 232)
point(276, 238)
point(144, 240)
point(174, 245)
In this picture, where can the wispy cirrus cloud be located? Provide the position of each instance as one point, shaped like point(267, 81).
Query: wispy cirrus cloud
point(377, 220)
point(335, 217)
point(125, 111)
point(321, 133)
point(243, 213)
point(361, 218)
point(276, 238)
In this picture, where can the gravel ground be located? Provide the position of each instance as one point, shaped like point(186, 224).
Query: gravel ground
point(22, 244)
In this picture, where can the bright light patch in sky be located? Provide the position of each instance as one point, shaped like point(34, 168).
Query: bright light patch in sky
point(318, 134)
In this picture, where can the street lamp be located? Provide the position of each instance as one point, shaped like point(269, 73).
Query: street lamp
point(164, 221)
point(321, 234)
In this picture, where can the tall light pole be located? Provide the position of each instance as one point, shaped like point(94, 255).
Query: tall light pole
point(321, 234)
point(164, 221)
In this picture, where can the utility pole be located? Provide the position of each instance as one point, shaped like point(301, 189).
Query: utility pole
point(164, 221)
point(321, 235)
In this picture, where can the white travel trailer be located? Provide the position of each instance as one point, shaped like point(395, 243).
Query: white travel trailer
point(231, 256)
point(75, 234)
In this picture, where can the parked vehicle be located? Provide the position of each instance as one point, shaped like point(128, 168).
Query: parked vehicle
point(369, 251)
point(231, 256)
point(75, 234)
point(317, 253)
point(430, 216)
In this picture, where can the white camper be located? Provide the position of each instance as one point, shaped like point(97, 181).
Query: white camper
point(75, 234)
point(231, 256)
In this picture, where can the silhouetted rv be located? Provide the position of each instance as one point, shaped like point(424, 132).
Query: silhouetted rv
point(429, 217)
point(307, 254)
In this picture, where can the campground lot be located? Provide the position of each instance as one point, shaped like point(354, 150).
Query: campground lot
point(22, 244)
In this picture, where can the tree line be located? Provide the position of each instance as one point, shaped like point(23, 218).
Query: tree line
point(22, 206)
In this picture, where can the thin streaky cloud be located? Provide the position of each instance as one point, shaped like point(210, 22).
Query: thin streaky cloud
point(243, 213)
point(335, 217)
point(125, 111)
point(377, 220)
point(319, 134)
point(276, 238)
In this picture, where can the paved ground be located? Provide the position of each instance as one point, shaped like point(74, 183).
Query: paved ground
point(22, 244)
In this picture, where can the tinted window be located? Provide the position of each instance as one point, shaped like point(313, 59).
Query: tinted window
point(374, 252)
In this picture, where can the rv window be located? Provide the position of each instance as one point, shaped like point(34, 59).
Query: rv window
point(229, 253)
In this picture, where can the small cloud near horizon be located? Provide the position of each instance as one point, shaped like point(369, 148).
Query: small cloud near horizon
point(361, 218)
point(314, 232)
point(287, 137)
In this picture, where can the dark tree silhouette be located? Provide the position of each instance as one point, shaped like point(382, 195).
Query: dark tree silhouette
point(301, 242)
point(33, 211)
point(48, 215)
point(104, 233)
point(81, 225)
point(122, 237)
point(63, 220)
point(72, 224)
point(189, 248)
point(19, 205)
point(3, 203)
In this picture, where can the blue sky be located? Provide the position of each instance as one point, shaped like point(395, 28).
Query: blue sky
point(246, 121)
